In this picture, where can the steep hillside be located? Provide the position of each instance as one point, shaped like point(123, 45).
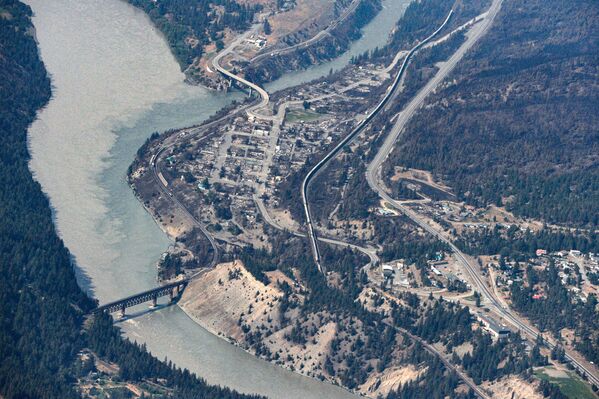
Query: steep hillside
point(190, 25)
point(337, 42)
point(42, 309)
point(41, 304)
point(518, 122)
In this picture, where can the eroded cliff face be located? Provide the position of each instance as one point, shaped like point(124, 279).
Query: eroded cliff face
point(271, 68)
point(227, 298)
point(270, 321)
point(261, 318)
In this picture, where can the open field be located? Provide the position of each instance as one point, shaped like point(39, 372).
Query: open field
point(310, 15)
point(302, 116)
point(569, 382)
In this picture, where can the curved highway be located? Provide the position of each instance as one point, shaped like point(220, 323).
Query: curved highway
point(370, 252)
point(435, 352)
point(252, 111)
point(372, 176)
point(314, 39)
point(330, 155)
point(263, 93)
point(374, 259)
point(169, 142)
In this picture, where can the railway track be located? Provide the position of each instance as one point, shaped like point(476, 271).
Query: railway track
point(361, 126)
point(373, 178)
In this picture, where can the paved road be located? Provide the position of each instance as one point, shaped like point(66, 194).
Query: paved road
point(170, 141)
point(373, 178)
point(435, 352)
point(368, 251)
point(330, 155)
point(251, 111)
point(373, 169)
point(314, 39)
point(164, 188)
point(374, 259)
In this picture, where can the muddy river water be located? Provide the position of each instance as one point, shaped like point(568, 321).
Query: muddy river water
point(114, 83)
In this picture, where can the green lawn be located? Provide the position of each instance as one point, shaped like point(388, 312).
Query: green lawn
point(296, 115)
point(572, 386)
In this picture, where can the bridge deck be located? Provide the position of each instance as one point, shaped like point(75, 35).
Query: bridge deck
point(141, 297)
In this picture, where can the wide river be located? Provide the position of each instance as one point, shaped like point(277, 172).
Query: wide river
point(114, 83)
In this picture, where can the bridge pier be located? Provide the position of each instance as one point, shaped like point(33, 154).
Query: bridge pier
point(174, 293)
point(173, 290)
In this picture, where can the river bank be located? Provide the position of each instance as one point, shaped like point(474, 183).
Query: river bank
point(115, 83)
point(231, 303)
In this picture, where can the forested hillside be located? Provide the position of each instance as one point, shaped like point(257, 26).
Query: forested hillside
point(569, 312)
point(41, 306)
point(329, 47)
point(518, 122)
point(189, 25)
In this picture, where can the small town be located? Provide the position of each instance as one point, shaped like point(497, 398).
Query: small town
point(299, 199)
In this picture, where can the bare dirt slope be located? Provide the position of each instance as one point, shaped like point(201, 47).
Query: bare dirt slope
point(264, 320)
point(220, 297)
point(513, 388)
point(305, 19)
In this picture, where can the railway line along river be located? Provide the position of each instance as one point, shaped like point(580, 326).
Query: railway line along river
point(114, 83)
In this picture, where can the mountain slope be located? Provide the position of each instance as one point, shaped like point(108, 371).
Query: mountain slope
point(41, 306)
point(518, 123)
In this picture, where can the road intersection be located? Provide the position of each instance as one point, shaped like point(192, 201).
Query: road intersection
point(478, 27)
